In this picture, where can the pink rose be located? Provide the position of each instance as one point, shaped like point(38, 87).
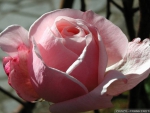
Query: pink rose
point(77, 60)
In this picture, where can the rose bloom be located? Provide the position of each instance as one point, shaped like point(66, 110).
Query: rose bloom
point(76, 60)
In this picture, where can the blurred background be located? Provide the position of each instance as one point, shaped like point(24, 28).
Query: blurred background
point(25, 12)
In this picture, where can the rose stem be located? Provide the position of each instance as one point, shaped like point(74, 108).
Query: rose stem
point(128, 15)
point(28, 108)
point(11, 96)
point(69, 4)
point(66, 4)
point(83, 5)
point(96, 111)
point(108, 13)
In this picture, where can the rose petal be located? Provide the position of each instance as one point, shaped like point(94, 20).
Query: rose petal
point(62, 26)
point(22, 86)
point(114, 40)
point(76, 45)
point(67, 27)
point(19, 77)
point(54, 53)
point(103, 59)
point(54, 85)
point(101, 48)
point(38, 27)
point(6, 60)
point(113, 76)
point(73, 41)
point(12, 37)
point(86, 70)
point(96, 99)
point(135, 66)
point(6, 65)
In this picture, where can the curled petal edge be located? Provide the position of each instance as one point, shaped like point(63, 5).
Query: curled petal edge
point(135, 66)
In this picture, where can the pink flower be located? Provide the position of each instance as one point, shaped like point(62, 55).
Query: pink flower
point(77, 60)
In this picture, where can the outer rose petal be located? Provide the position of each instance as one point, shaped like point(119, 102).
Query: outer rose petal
point(19, 77)
point(54, 85)
point(38, 27)
point(23, 86)
point(135, 66)
point(6, 65)
point(95, 99)
point(12, 37)
point(114, 40)
point(14, 41)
